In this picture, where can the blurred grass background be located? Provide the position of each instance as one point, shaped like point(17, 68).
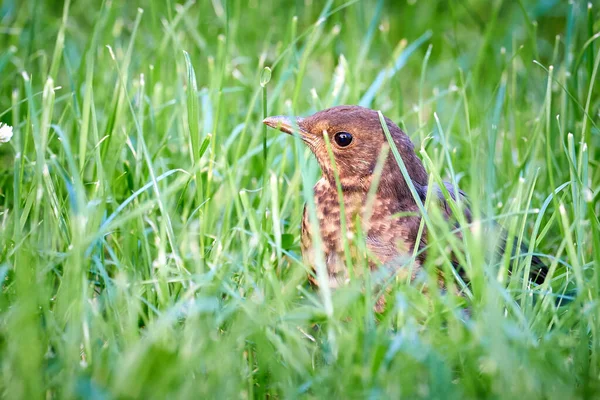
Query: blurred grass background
point(147, 250)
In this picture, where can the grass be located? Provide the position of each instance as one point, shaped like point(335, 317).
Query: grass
point(149, 245)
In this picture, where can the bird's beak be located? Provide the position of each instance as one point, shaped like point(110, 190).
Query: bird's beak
point(286, 124)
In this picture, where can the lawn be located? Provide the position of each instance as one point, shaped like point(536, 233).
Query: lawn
point(150, 224)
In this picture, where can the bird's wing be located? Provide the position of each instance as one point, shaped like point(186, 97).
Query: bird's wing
point(538, 270)
point(462, 197)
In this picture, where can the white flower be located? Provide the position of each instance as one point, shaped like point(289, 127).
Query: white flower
point(6, 133)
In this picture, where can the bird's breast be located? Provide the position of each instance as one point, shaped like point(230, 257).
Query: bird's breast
point(387, 237)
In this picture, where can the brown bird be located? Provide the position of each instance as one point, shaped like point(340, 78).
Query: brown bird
point(391, 231)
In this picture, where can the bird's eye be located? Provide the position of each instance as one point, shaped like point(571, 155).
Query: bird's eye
point(343, 139)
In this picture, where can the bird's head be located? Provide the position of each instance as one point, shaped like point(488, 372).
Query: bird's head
point(356, 138)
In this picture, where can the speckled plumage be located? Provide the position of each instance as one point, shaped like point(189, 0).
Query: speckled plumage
point(387, 237)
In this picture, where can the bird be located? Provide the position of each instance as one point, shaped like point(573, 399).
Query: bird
point(391, 227)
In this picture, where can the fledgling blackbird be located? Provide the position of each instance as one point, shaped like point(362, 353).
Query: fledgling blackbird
point(356, 138)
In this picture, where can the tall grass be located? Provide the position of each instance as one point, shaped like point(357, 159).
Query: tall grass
point(149, 236)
